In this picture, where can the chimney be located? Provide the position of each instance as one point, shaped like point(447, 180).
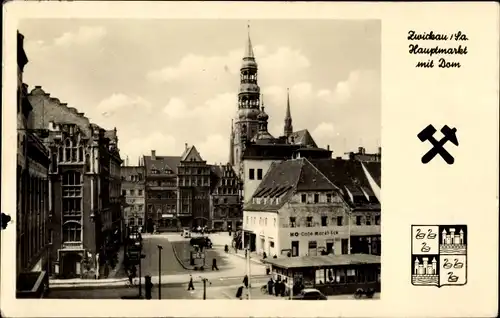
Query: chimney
point(328, 147)
point(153, 154)
point(379, 151)
point(186, 146)
point(361, 150)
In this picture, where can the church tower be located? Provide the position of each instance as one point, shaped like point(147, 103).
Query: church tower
point(246, 123)
point(288, 128)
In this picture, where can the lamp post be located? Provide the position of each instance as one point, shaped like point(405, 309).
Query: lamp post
point(159, 270)
point(205, 280)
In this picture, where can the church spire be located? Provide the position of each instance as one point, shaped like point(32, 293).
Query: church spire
point(288, 129)
point(249, 48)
point(231, 145)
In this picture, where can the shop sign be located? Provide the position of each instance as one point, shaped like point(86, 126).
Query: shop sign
point(315, 233)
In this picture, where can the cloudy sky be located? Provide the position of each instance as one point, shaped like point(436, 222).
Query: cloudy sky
point(164, 83)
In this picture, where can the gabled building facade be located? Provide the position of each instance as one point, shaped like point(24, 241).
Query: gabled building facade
point(86, 214)
point(161, 192)
point(226, 199)
point(194, 188)
point(309, 207)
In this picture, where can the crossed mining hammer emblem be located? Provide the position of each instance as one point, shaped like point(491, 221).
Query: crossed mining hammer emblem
point(449, 135)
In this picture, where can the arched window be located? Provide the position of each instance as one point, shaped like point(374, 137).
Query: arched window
point(72, 193)
point(72, 231)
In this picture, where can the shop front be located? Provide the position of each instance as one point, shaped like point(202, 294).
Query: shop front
point(331, 274)
point(308, 241)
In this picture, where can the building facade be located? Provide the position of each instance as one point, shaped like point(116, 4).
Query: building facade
point(85, 218)
point(310, 207)
point(32, 214)
point(226, 199)
point(161, 193)
point(133, 189)
point(194, 189)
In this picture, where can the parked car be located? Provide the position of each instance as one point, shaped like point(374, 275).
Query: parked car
point(310, 294)
point(201, 242)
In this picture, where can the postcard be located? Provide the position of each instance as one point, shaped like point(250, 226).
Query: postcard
point(237, 159)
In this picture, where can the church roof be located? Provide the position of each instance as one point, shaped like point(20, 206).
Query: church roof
point(303, 137)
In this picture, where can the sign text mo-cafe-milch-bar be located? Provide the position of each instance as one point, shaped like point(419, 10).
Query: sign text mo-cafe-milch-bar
point(318, 233)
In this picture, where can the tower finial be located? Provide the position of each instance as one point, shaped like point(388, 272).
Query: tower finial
point(249, 48)
point(288, 129)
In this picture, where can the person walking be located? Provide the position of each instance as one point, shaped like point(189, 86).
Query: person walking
point(214, 264)
point(190, 285)
point(245, 281)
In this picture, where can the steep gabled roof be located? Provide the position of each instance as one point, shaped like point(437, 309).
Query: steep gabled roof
point(304, 138)
point(191, 154)
point(161, 163)
point(349, 176)
point(283, 179)
point(374, 168)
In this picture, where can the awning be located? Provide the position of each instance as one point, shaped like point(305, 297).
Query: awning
point(32, 284)
point(325, 260)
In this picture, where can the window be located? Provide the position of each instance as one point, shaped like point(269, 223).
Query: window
point(309, 221)
point(339, 221)
point(358, 220)
point(369, 220)
point(124, 192)
point(377, 219)
point(316, 198)
point(72, 193)
point(271, 244)
point(132, 192)
point(313, 248)
point(259, 174)
point(139, 221)
point(225, 200)
point(139, 192)
point(251, 174)
point(324, 221)
point(303, 198)
point(329, 198)
point(131, 221)
point(292, 221)
point(216, 201)
point(72, 232)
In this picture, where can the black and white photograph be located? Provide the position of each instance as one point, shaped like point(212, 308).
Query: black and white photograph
point(198, 159)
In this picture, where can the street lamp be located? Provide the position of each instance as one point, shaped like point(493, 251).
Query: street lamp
point(159, 270)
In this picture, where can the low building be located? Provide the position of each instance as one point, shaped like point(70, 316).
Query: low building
point(362, 155)
point(318, 206)
point(226, 199)
point(133, 190)
point(32, 214)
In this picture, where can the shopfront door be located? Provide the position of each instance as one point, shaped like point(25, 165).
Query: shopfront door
point(295, 248)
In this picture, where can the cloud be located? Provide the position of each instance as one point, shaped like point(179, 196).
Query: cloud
point(358, 81)
point(276, 66)
point(119, 102)
point(176, 109)
point(164, 144)
point(84, 35)
point(214, 148)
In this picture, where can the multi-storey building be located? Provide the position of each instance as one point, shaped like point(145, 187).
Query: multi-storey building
point(306, 207)
point(85, 220)
point(362, 155)
point(115, 197)
point(194, 185)
point(32, 215)
point(226, 198)
point(161, 193)
point(133, 189)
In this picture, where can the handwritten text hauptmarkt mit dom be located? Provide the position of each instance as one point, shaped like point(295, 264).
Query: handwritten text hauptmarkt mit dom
point(443, 53)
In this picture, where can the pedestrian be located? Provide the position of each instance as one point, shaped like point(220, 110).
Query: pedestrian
point(239, 292)
point(190, 285)
point(214, 264)
point(245, 281)
point(270, 285)
point(226, 248)
point(131, 283)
